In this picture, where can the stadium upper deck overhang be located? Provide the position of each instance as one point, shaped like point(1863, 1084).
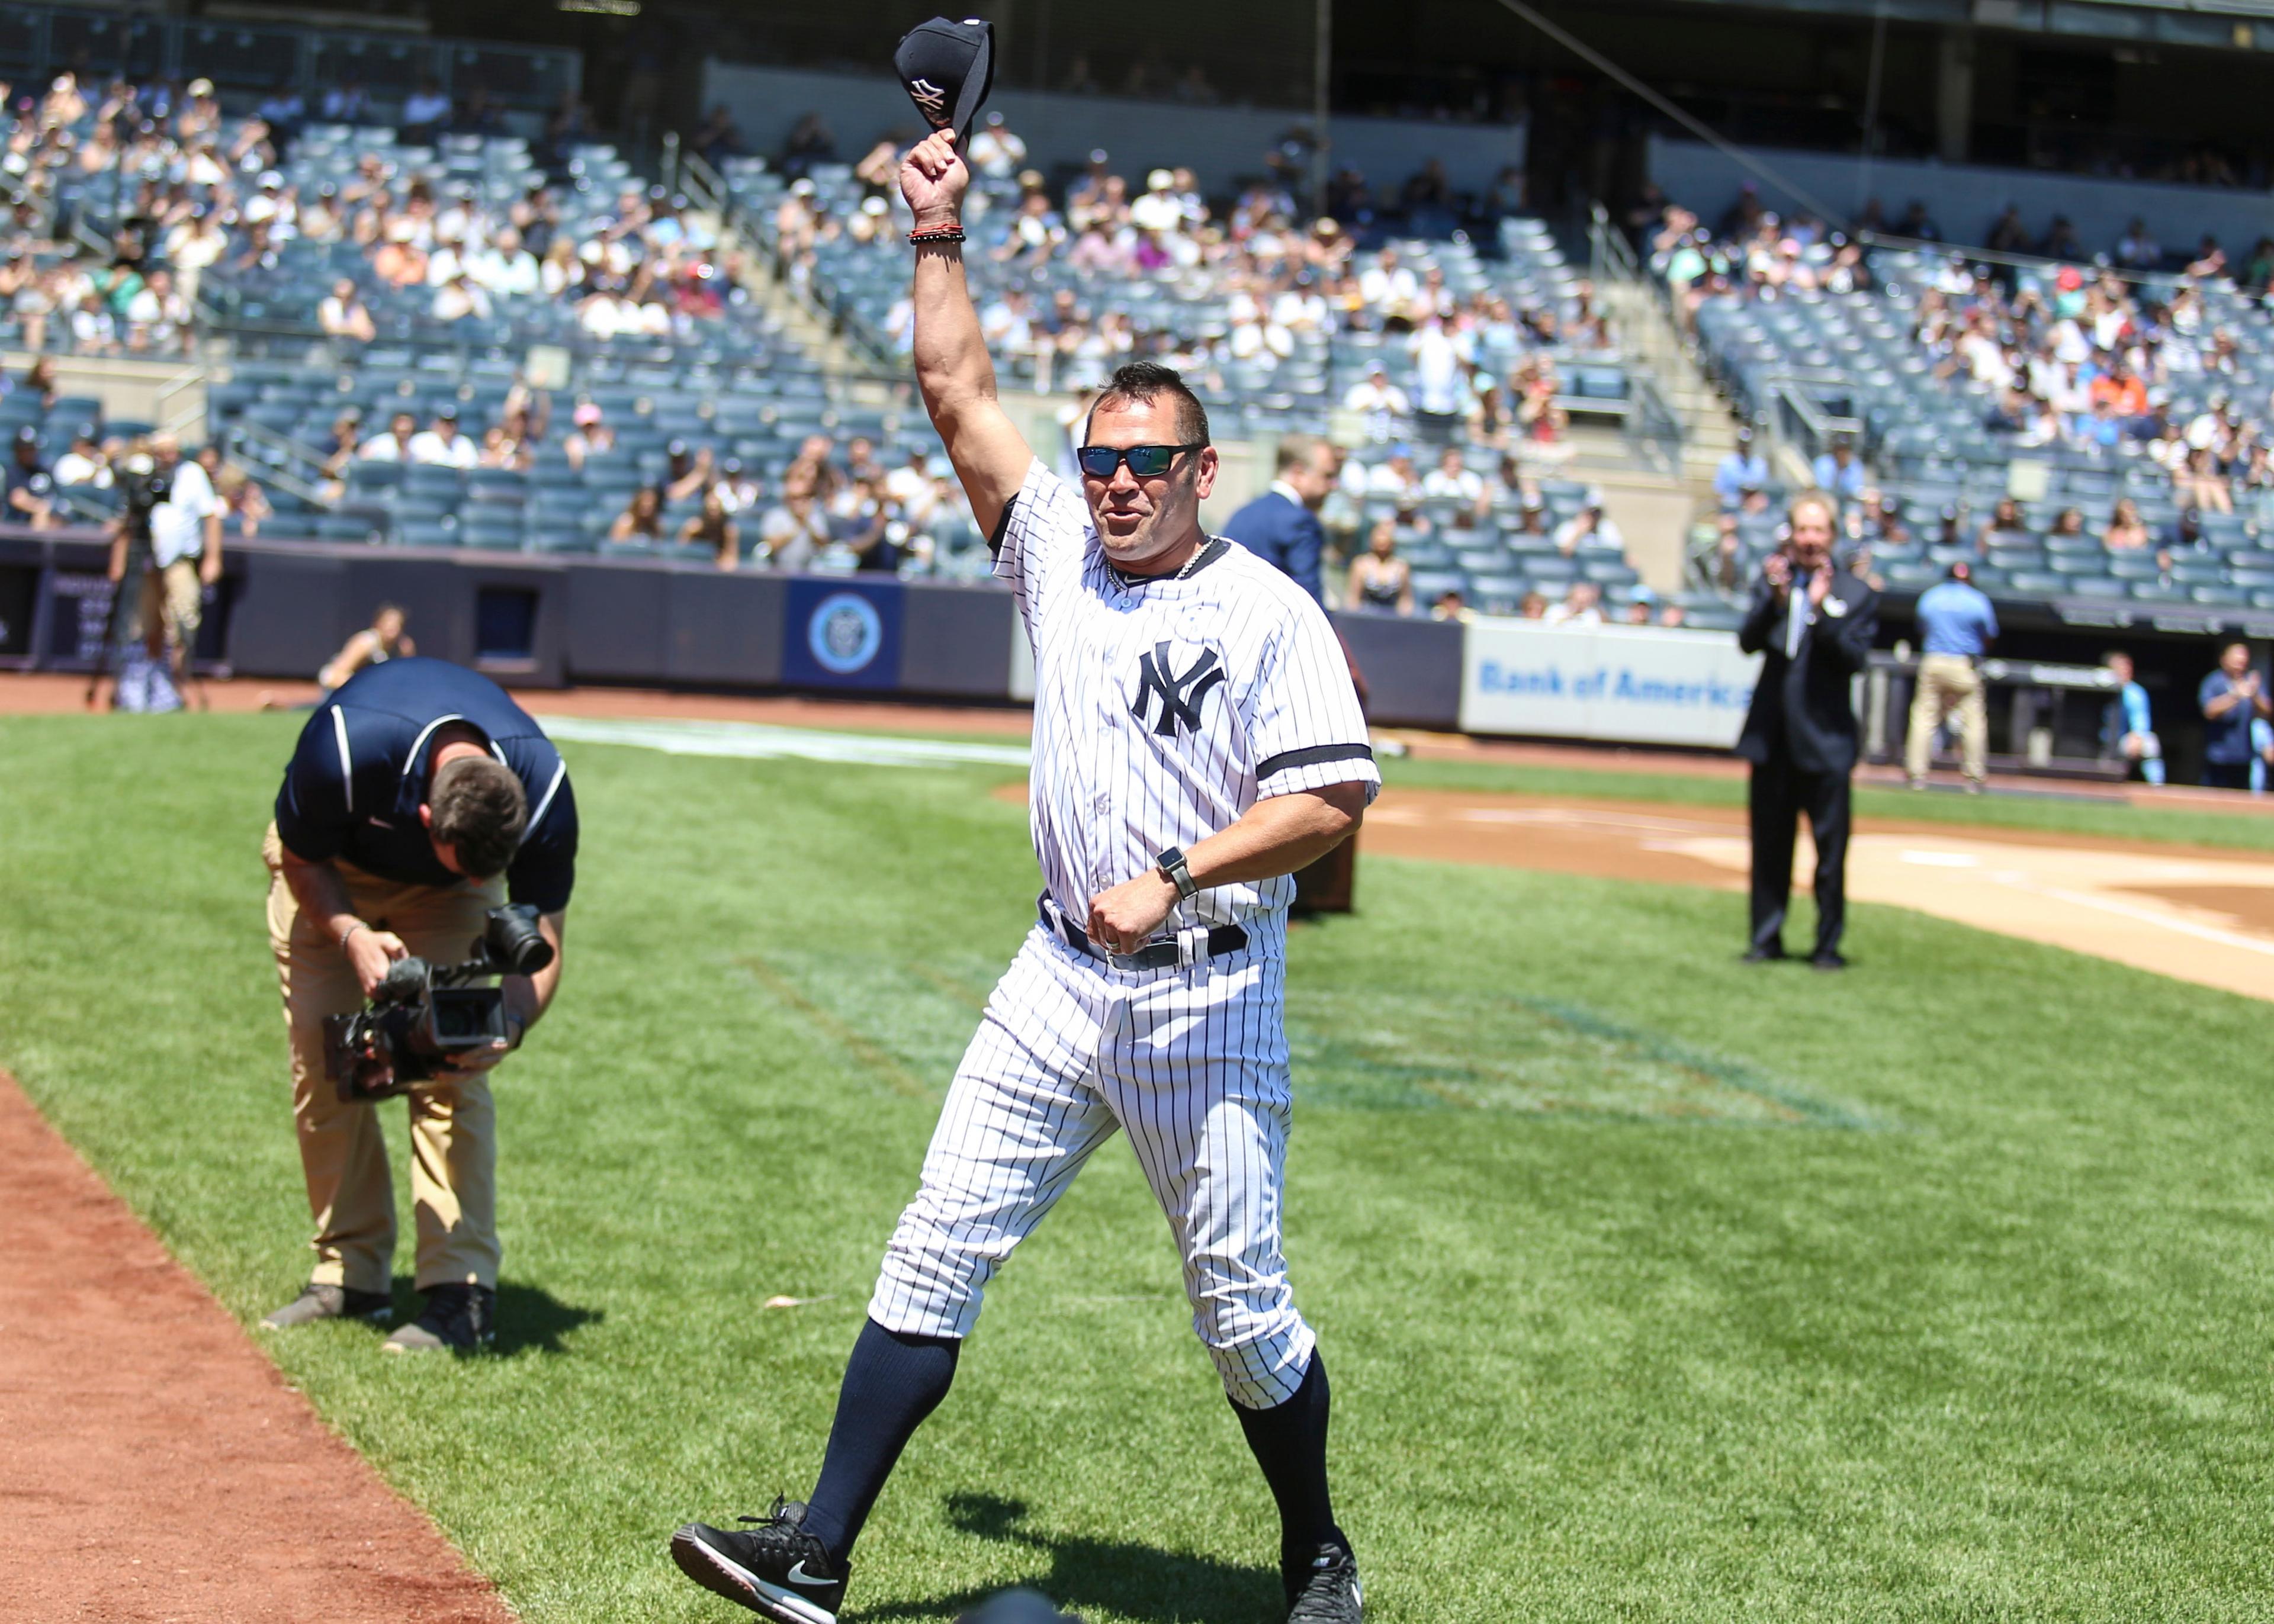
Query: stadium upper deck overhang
point(2234, 25)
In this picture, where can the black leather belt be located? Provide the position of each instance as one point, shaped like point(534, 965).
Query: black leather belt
point(1221, 939)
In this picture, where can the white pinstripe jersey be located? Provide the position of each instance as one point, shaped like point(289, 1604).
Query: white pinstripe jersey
point(1165, 707)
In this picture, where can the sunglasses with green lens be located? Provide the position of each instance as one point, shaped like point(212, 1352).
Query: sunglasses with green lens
point(1145, 461)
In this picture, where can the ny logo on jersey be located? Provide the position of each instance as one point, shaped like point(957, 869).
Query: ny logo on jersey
point(1180, 696)
point(930, 98)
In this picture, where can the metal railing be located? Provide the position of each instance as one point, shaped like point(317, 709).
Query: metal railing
point(284, 462)
point(1797, 418)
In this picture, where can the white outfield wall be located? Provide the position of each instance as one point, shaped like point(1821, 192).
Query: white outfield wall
point(1625, 684)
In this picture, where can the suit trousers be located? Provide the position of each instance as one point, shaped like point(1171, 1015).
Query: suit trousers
point(453, 1124)
point(1779, 793)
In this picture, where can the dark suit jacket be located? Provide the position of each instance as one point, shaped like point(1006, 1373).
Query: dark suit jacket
point(1285, 533)
point(1800, 714)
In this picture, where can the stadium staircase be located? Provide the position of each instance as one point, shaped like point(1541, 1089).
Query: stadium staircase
point(1654, 342)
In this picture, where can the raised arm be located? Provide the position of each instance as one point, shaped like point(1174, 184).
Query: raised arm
point(953, 368)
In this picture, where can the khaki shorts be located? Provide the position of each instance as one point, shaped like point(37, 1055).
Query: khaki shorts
point(174, 597)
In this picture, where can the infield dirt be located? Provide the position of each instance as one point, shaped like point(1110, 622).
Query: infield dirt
point(157, 1467)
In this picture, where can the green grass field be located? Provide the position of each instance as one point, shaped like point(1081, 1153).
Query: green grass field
point(1656, 1289)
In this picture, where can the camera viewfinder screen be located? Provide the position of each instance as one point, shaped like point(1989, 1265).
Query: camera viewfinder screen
point(468, 1015)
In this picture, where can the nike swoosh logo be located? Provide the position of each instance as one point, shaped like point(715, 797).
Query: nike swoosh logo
point(798, 1576)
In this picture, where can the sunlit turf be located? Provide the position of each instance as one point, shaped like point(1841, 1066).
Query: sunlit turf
point(1654, 1288)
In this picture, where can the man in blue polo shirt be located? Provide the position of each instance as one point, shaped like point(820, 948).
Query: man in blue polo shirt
point(419, 798)
point(2231, 697)
point(1957, 627)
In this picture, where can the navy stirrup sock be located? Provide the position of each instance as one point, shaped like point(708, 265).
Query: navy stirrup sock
point(1289, 1444)
point(892, 1382)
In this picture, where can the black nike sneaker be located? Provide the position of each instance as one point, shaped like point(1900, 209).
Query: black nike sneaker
point(1325, 1590)
point(772, 1567)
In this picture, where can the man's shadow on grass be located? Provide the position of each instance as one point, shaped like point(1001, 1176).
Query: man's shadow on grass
point(529, 1319)
point(1085, 1575)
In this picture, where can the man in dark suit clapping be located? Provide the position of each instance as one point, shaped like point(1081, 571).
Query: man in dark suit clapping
point(1281, 525)
point(1813, 624)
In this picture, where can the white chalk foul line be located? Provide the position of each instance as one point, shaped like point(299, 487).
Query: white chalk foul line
point(755, 741)
point(2145, 915)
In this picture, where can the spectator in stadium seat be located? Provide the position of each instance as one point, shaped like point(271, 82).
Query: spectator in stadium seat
point(1917, 223)
point(2127, 726)
point(1837, 471)
point(1534, 606)
point(2061, 241)
point(2008, 235)
point(2137, 249)
point(425, 110)
point(2126, 533)
point(1741, 466)
point(794, 529)
point(1591, 528)
point(242, 498)
point(505, 268)
point(589, 432)
point(458, 298)
point(346, 103)
point(344, 314)
point(31, 490)
point(2202, 483)
point(2067, 522)
point(642, 518)
point(1582, 605)
point(715, 528)
point(1395, 477)
point(1439, 374)
point(84, 464)
point(2005, 527)
point(1957, 625)
point(441, 442)
point(191, 245)
point(1380, 582)
point(394, 446)
point(2229, 698)
point(1381, 402)
point(1450, 605)
point(1282, 526)
point(996, 151)
point(1451, 480)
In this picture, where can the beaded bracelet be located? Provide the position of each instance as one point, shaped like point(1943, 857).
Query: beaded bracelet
point(936, 234)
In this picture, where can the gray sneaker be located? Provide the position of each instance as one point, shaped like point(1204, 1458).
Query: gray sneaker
point(457, 1319)
point(317, 1302)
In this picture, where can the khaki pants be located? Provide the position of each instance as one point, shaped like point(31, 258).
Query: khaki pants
point(1944, 679)
point(174, 599)
point(453, 1124)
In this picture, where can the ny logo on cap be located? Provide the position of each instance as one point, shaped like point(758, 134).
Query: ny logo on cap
point(930, 98)
point(1180, 696)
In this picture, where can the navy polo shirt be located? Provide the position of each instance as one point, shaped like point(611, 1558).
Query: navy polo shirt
point(356, 778)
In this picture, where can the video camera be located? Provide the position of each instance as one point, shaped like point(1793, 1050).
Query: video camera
point(145, 487)
point(422, 1015)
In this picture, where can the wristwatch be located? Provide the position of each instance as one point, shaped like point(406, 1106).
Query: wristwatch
point(1171, 865)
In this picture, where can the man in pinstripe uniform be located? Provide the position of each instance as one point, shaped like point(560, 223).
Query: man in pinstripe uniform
point(1196, 741)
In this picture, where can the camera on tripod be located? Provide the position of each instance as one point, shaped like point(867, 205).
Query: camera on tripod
point(422, 1016)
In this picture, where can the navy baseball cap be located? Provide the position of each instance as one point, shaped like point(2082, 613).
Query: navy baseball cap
point(947, 69)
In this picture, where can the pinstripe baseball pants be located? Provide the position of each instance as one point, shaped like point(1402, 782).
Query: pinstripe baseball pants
point(1192, 1062)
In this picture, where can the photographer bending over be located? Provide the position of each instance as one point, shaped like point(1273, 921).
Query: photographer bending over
point(418, 796)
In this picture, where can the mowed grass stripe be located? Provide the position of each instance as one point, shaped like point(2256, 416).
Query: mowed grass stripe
point(2005, 1361)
